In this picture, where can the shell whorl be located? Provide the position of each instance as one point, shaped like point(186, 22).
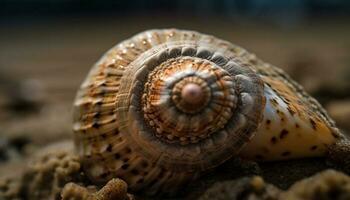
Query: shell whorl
point(178, 136)
point(181, 117)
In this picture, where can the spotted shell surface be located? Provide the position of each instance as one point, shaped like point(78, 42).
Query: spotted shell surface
point(160, 108)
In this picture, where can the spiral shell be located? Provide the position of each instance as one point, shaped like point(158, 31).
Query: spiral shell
point(160, 108)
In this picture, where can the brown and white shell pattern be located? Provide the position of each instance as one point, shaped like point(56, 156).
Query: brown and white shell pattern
point(165, 105)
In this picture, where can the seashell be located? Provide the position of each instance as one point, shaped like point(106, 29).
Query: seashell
point(164, 106)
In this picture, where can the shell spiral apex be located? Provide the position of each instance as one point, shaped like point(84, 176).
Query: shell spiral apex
point(160, 108)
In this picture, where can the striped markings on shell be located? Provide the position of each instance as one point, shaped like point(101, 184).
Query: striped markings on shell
point(160, 108)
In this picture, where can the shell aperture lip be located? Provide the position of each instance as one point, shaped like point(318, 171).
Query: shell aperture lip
point(290, 127)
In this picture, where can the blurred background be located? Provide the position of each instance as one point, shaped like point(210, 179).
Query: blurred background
point(48, 46)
